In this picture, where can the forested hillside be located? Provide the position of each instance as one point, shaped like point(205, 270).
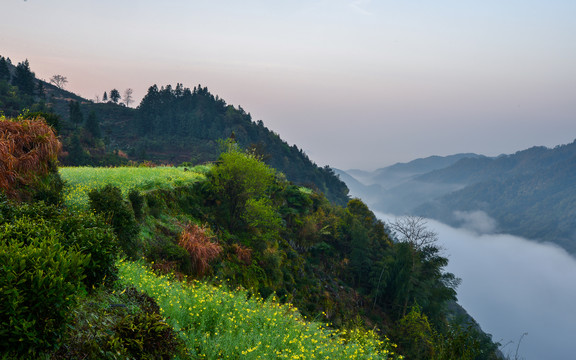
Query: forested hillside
point(172, 125)
point(529, 193)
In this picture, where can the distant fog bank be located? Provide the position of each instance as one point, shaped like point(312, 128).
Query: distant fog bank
point(512, 286)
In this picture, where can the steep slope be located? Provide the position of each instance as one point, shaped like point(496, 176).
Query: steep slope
point(172, 125)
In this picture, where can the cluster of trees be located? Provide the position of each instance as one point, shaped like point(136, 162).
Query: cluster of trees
point(19, 88)
point(115, 96)
point(197, 118)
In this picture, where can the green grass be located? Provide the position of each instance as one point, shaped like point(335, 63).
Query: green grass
point(217, 323)
point(80, 180)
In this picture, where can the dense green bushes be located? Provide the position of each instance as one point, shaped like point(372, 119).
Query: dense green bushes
point(85, 232)
point(117, 324)
point(49, 257)
point(109, 202)
point(40, 281)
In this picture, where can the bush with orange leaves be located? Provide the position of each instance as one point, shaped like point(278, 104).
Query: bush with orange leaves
point(28, 151)
point(243, 254)
point(197, 241)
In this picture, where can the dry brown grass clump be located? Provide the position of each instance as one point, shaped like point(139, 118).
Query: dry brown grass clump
point(243, 253)
point(28, 150)
point(197, 241)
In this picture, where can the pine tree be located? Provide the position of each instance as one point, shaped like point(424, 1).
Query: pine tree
point(4, 70)
point(92, 125)
point(76, 116)
point(105, 97)
point(24, 78)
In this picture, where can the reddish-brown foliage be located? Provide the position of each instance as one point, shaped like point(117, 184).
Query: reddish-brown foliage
point(197, 241)
point(168, 267)
point(243, 254)
point(28, 150)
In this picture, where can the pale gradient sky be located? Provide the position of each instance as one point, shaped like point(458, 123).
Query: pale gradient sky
point(354, 83)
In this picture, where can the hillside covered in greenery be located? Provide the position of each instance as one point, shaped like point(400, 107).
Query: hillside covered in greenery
point(209, 262)
point(529, 193)
point(172, 125)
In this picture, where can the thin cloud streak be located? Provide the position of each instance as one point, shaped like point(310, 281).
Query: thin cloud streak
point(359, 6)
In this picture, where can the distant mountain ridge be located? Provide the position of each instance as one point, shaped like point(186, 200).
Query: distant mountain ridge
point(530, 193)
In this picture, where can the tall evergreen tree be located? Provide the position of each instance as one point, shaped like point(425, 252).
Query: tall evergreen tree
point(92, 125)
point(4, 69)
point(76, 116)
point(24, 78)
point(105, 97)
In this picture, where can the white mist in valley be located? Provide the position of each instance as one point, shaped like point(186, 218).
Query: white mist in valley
point(513, 286)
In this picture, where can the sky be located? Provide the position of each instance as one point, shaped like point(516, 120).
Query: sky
point(354, 83)
point(513, 286)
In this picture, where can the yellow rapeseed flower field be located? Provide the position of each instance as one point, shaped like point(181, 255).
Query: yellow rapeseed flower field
point(81, 180)
point(219, 323)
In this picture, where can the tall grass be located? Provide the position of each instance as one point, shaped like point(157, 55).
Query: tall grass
point(217, 323)
point(80, 180)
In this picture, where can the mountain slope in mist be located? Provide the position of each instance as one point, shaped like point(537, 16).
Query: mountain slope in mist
point(397, 188)
point(530, 193)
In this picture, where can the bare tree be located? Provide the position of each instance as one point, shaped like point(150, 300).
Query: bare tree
point(96, 98)
point(412, 229)
point(128, 96)
point(59, 81)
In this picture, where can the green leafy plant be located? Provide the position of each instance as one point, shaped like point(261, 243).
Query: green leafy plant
point(109, 202)
point(39, 283)
point(137, 201)
point(145, 336)
point(83, 232)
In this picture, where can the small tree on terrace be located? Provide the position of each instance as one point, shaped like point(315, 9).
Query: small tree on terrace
point(59, 81)
point(128, 96)
point(114, 96)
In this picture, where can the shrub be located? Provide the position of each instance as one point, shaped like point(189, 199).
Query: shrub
point(91, 235)
point(39, 282)
point(118, 325)
point(28, 152)
point(84, 232)
point(137, 201)
point(145, 336)
point(196, 241)
point(243, 254)
point(109, 202)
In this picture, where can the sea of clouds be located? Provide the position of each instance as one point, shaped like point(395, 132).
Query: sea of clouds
point(513, 286)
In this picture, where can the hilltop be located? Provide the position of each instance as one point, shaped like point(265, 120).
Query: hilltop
point(172, 125)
